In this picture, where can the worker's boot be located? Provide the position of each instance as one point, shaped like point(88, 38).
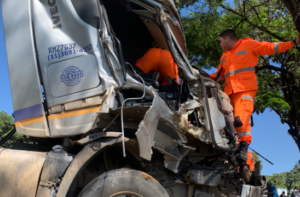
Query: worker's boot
point(241, 153)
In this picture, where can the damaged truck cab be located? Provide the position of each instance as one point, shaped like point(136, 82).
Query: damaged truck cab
point(102, 127)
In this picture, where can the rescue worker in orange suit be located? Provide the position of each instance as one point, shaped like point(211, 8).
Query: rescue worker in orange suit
point(250, 161)
point(159, 60)
point(237, 67)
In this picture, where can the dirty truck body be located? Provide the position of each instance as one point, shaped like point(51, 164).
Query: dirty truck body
point(99, 123)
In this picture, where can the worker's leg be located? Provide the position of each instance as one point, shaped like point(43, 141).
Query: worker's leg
point(149, 61)
point(243, 103)
point(250, 161)
point(167, 67)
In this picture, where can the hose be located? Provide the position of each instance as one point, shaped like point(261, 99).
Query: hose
point(122, 120)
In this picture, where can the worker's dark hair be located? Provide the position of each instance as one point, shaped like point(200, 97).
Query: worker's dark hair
point(230, 33)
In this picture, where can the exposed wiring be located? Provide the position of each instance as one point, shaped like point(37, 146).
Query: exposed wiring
point(122, 121)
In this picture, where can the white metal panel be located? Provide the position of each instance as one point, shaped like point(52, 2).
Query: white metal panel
point(21, 57)
point(73, 75)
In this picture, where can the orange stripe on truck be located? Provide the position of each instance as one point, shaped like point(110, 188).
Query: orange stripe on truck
point(30, 121)
point(57, 116)
point(73, 113)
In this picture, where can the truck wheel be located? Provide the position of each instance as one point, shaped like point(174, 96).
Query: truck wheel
point(124, 183)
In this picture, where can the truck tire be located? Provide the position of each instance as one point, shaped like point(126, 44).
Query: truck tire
point(124, 183)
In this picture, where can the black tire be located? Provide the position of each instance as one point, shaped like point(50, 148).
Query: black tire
point(124, 183)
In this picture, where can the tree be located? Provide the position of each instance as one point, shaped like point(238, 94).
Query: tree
point(293, 177)
point(256, 159)
point(278, 180)
point(6, 125)
point(294, 8)
point(269, 20)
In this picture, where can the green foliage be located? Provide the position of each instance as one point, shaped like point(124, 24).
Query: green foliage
point(6, 125)
point(278, 180)
point(293, 177)
point(288, 180)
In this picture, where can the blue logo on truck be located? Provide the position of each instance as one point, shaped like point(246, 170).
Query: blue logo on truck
point(71, 76)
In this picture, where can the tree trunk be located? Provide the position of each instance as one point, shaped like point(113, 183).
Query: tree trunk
point(294, 8)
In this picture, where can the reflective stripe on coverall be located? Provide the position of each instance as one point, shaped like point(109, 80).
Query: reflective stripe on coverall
point(240, 80)
point(159, 60)
point(243, 103)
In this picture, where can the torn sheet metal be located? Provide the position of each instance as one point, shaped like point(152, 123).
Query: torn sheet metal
point(159, 111)
point(173, 155)
point(95, 136)
point(107, 104)
point(218, 122)
point(108, 100)
point(203, 177)
point(198, 132)
point(179, 56)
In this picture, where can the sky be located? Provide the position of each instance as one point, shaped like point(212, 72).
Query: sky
point(270, 137)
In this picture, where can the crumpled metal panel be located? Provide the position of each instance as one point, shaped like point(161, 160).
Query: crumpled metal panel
point(173, 157)
point(158, 112)
point(170, 4)
point(203, 177)
point(218, 122)
point(198, 132)
point(179, 56)
point(148, 126)
point(20, 172)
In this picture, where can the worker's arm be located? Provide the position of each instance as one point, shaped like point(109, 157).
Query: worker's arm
point(221, 76)
point(270, 48)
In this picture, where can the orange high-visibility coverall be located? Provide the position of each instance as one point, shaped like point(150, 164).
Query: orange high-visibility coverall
point(238, 70)
point(159, 60)
point(250, 161)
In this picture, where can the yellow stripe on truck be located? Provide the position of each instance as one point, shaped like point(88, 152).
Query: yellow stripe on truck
point(30, 121)
point(73, 113)
point(57, 116)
